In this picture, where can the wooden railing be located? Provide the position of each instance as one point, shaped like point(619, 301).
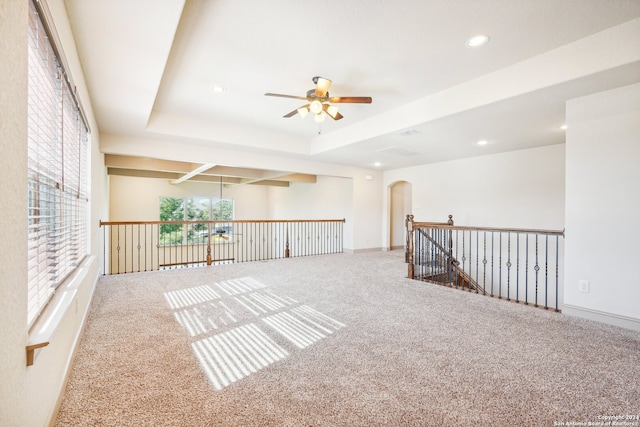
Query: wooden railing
point(136, 246)
point(521, 265)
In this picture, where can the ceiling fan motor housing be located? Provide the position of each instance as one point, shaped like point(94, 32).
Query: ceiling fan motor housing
point(311, 96)
point(319, 101)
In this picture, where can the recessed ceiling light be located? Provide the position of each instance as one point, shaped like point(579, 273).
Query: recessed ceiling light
point(482, 142)
point(218, 89)
point(563, 127)
point(477, 41)
point(377, 164)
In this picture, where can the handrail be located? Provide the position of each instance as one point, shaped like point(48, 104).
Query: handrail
point(218, 221)
point(444, 226)
point(436, 244)
point(453, 263)
point(137, 246)
point(520, 264)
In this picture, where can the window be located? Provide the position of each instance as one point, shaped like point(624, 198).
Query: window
point(193, 209)
point(58, 172)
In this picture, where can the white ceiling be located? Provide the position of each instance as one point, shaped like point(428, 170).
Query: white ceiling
point(150, 66)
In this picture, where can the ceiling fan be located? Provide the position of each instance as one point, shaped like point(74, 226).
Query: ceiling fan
point(320, 101)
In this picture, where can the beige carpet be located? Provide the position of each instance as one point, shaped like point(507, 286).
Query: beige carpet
point(337, 340)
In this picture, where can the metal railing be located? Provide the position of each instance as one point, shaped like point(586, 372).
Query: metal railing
point(136, 246)
point(521, 265)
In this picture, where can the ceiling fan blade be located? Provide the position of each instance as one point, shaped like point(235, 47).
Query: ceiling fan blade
point(294, 112)
point(332, 112)
point(351, 99)
point(285, 96)
point(322, 86)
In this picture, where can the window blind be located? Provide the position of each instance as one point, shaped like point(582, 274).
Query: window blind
point(57, 172)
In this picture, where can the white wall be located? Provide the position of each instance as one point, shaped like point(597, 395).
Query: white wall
point(138, 199)
point(357, 200)
point(603, 206)
point(400, 207)
point(29, 396)
point(521, 189)
point(366, 203)
point(368, 228)
point(13, 231)
point(328, 198)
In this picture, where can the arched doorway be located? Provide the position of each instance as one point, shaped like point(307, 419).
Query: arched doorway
point(399, 207)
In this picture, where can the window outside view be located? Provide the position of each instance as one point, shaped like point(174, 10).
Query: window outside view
point(195, 209)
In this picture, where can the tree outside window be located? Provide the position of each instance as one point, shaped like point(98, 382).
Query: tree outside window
point(192, 209)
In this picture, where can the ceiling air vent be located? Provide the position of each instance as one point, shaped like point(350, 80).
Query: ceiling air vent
point(409, 132)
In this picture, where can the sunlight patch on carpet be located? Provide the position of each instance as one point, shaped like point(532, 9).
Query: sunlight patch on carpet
point(303, 326)
point(229, 343)
point(235, 354)
point(239, 286)
point(191, 296)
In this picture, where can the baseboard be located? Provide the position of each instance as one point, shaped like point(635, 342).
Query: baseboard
point(359, 251)
point(72, 354)
point(602, 316)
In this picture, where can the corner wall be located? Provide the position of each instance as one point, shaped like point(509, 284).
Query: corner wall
point(29, 396)
point(603, 207)
point(13, 230)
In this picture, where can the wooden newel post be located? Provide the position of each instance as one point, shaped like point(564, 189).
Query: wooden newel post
point(209, 261)
point(286, 250)
point(409, 248)
point(450, 263)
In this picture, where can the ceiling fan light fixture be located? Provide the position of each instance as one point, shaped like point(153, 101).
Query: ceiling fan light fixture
point(319, 117)
point(315, 107)
point(303, 111)
point(322, 86)
point(319, 101)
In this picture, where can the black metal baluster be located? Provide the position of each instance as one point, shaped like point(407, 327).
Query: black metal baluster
point(151, 249)
point(517, 267)
point(196, 245)
point(484, 263)
point(526, 272)
point(275, 250)
point(546, 270)
point(420, 259)
point(145, 247)
point(139, 247)
point(125, 248)
point(500, 269)
point(253, 241)
point(431, 252)
point(104, 249)
point(492, 256)
point(464, 258)
point(455, 273)
point(537, 269)
point(509, 266)
point(477, 259)
point(557, 271)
